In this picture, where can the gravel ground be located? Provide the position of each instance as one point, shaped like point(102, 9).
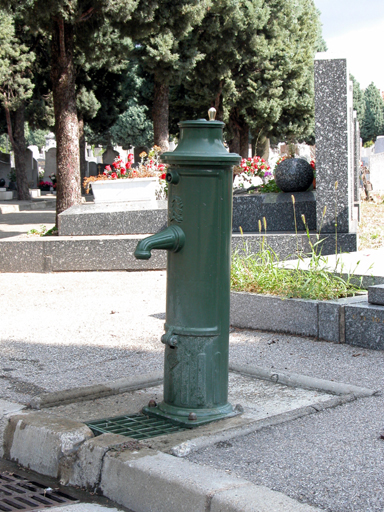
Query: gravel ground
point(59, 331)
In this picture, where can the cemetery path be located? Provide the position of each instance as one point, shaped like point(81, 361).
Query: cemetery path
point(65, 330)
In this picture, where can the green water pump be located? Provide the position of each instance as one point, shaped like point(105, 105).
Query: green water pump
point(198, 241)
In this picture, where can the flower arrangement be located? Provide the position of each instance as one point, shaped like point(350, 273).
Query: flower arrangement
point(148, 167)
point(45, 185)
point(252, 172)
point(312, 163)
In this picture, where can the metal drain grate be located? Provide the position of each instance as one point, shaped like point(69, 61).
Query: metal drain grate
point(136, 426)
point(17, 493)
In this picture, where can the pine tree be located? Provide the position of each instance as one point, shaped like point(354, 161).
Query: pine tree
point(16, 88)
point(373, 123)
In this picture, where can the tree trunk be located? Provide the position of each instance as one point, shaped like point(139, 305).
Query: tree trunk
point(160, 115)
point(240, 133)
point(262, 147)
point(83, 161)
point(233, 128)
point(218, 103)
point(66, 123)
point(244, 138)
point(17, 139)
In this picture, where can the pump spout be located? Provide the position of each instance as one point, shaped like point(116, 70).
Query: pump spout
point(172, 239)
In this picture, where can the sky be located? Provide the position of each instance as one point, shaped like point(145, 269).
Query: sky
point(354, 29)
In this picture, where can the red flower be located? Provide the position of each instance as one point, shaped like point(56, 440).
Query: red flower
point(123, 172)
point(130, 157)
point(108, 168)
point(114, 176)
point(163, 176)
point(115, 165)
point(128, 165)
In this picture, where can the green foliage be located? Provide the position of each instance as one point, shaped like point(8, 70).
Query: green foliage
point(321, 45)
point(35, 137)
point(15, 66)
point(160, 46)
point(133, 127)
point(368, 144)
point(4, 143)
point(269, 187)
point(127, 94)
point(257, 68)
point(373, 123)
point(358, 100)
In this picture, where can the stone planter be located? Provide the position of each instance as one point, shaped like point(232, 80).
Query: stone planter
point(124, 190)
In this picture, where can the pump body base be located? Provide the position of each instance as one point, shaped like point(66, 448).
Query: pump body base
point(180, 416)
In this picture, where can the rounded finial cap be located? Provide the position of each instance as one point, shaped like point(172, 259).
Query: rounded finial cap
point(212, 114)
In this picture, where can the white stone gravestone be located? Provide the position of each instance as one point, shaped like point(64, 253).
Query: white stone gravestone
point(50, 163)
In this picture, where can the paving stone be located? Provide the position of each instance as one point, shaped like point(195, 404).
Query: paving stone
point(332, 318)
point(364, 325)
point(376, 294)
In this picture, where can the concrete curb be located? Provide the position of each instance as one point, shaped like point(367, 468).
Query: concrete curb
point(351, 320)
point(129, 472)
point(187, 447)
point(303, 381)
point(97, 391)
point(7, 410)
point(320, 319)
point(136, 474)
point(162, 483)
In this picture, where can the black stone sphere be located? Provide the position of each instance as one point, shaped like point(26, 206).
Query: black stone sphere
point(2, 183)
point(294, 175)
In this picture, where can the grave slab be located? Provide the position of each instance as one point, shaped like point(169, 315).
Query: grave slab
point(277, 209)
point(113, 218)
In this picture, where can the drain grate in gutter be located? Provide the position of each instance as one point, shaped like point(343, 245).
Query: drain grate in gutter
point(17, 493)
point(136, 426)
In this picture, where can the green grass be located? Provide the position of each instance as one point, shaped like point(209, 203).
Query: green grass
point(43, 231)
point(263, 273)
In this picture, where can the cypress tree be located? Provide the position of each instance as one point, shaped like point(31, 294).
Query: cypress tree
point(358, 100)
point(373, 123)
